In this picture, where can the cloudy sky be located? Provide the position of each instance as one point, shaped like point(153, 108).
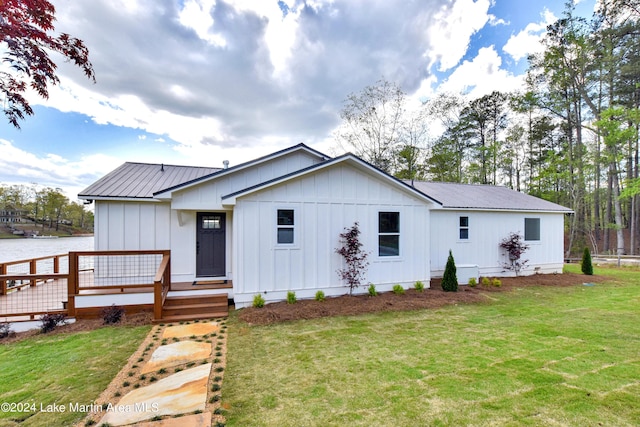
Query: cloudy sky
point(200, 81)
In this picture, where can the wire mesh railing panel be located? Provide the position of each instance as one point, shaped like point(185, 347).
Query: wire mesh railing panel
point(16, 270)
point(45, 296)
point(117, 270)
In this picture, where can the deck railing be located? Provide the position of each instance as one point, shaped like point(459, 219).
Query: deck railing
point(161, 285)
point(44, 285)
point(33, 287)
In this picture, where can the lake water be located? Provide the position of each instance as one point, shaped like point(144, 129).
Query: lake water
point(19, 249)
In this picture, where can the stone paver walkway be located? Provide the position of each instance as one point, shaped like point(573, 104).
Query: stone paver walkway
point(168, 380)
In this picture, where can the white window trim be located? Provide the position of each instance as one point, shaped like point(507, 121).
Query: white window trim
point(468, 228)
point(294, 227)
point(399, 234)
point(524, 233)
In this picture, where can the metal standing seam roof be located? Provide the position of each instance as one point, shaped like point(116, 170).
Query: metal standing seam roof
point(142, 180)
point(490, 197)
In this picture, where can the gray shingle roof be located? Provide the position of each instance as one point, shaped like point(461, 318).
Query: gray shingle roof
point(141, 180)
point(470, 196)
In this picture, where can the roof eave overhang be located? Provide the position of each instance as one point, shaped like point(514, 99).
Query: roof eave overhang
point(515, 210)
point(120, 199)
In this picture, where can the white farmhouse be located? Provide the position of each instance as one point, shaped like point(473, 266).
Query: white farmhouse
point(272, 225)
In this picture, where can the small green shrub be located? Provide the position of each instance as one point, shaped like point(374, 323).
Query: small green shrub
point(5, 330)
point(291, 297)
point(215, 387)
point(398, 290)
point(473, 282)
point(419, 286)
point(372, 290)
point(319, 296)
point(49, 322)
point(586, 266)
point(112, 314)
point(496, 282)
point(258, 301)
point(449, 279)
point(486, 281)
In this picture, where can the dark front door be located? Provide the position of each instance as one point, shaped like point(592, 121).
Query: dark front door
point(210, 244)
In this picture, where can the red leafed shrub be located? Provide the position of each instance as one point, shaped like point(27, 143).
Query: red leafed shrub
point(514, 247)
point(354, 257)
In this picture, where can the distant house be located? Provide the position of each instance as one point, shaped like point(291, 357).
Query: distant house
point(9, 214)
point(271, 225)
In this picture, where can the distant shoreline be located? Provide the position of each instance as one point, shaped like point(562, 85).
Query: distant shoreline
point(17, 236)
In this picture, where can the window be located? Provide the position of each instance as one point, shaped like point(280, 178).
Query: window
point(388, 233)
point(211, 222)
point(531, 229)
point(285, 226)
point(464, 228)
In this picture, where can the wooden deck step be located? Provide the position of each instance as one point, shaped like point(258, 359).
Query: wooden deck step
point(192, 307)
point(185, 318)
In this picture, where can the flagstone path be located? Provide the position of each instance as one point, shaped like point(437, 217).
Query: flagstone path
point(172, 380)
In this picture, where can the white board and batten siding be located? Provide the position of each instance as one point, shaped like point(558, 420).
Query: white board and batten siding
point(207, 196)
point(486, 229)
point(324, 203)
point(124, 225)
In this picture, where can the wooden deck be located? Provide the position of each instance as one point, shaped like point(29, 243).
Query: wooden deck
point(45, 297)
point(105, 274)
point(191, 286)
point(51, 295)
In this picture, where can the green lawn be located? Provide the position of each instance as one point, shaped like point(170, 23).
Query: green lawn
point(535, 356)
point(65, 369)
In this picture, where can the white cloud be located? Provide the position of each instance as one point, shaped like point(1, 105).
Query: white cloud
point(237, 74)
point(196, 15)
point(527, 41)
point(481, 76)
point(52, 170)
point(451, 31)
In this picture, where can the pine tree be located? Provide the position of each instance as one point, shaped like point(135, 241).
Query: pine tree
point(450, 280)
point(587, 267)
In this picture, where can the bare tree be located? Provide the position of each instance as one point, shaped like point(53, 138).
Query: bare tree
point(371, 123)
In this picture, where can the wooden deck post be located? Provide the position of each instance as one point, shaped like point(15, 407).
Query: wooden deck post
point(33, 269)
point(72, 284)
point(3, 283)
point(56, 264)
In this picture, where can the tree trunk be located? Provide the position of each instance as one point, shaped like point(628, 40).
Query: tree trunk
point(618, 210)
point(607, 215)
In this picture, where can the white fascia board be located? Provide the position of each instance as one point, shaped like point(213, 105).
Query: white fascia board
point(513, 210)
point(120, 199)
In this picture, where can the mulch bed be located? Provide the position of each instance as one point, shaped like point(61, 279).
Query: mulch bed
point(433, 297)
